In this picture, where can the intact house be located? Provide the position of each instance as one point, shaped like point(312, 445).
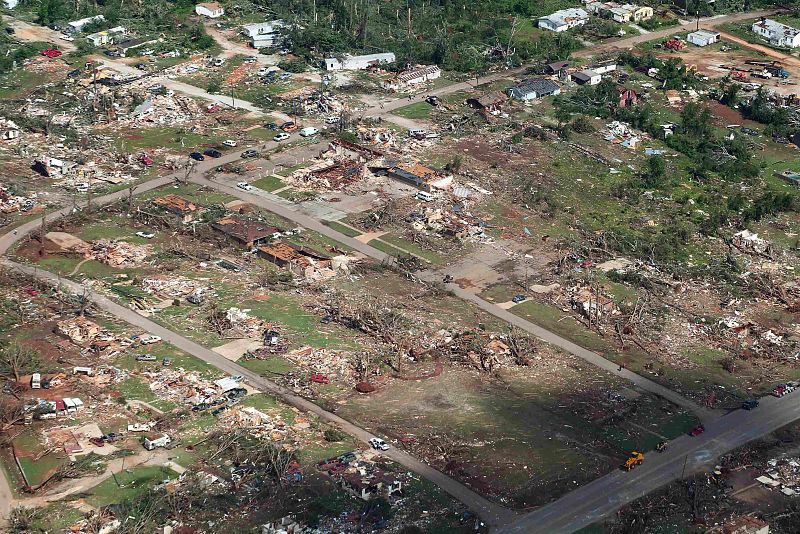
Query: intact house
point(184, 209)
point(263, 34)
point(413, 76)
point(76, 26)
point(558, 69)
point(245, 231)
point(299, 260)
point(489, 102)
point(703, 37)
point(587, 77)
point(776, 33)
point(533, 88)
point(621, 13)
point(563, 20)
point(212, 10)
point(349, 62)
point(106, 36)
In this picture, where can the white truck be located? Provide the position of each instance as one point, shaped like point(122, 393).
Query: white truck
point(156, 440)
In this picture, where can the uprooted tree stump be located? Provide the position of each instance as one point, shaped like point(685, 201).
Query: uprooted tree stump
point(365, 387)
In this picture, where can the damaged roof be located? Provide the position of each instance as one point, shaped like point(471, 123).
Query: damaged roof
point(244, 230)
point(175, 203)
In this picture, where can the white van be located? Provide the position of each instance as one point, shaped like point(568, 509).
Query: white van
point(424, 196)
point(416, 132)
point(36, 381)
point(308, 131)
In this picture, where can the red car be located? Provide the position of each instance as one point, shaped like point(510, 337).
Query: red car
point(98, 442)
point(145, 160)
point(52, 52)
point(780, 391)
point(213, 108)
point(696, 431)
point(320, 379)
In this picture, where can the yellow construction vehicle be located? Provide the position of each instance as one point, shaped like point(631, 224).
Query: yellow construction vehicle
point(636, 458)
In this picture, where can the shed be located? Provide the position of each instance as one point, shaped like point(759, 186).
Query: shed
point(703, 37)
point(587, 77)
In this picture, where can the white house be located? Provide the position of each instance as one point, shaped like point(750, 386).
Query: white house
point(348, 62)
point(419, 74)
point(532, 89)
point(76, 26)
point(776, 33)
point(703, 37)
point(10, 4)
point(263, 34)
point(563, 20)
point(212, 10)
point(106, 36)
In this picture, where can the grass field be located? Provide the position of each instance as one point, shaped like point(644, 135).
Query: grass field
point(128, 484)
point(268, 183)
point(342, 229)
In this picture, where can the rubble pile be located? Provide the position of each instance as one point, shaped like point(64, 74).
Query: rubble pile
point(189, 388)
point(783, 474)
point(323, 361)
point(331, 173)
point(360, 475)
point(446, 223)
point(15, 203)
point(260, 424)
point(621, 133)
point(172, 287)
point(244, 324)
point(118, 253)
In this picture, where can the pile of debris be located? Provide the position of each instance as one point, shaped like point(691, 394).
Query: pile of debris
point(750, 243)
point(335, 174)
point(172, 287)
point(189, 388)
point(363, 477)
point(118, 253)
point(483, 350)
point(79, 330)
point(783, 474)
point(15, 203)
point(462, 226)
point(621, 133)
point(259, 424)
point(323, 361)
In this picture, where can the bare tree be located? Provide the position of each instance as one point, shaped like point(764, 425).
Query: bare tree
point(16, 359)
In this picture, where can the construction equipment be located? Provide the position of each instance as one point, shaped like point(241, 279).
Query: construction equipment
point(636, 458)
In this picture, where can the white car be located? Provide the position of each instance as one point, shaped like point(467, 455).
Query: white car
point(149, 340)
point(283, 136)
point(145, 235)
point(379, 444)
point(229, 142)
point(244, 185)
point(333, 119)
point(65, 37)
point(308, 131)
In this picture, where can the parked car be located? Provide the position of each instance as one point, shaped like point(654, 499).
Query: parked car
point(229, 142)
point(166, 362)
point(156, 88)
point(197, 156)
point(308, 131)
point(212, 153)
point(283, 136)
point(379, 444)
point(519, 298)
point(146, 358)
point(433, 100)
point(250, 153)
point(148, 340)
point(65, 37)
point(271, 126)
point(52, 53)
point(97, 442)
point(750, 404)
point(146, 235)
point(779, 391)
point(333, 119)
point(74, 73)
point(749, 131)
point(244, 186)
point(696, 431)
point(250, 59)
point(213, 108)
point(289, 126)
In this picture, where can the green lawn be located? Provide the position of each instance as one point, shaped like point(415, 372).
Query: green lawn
point(412, 248)
point(268, 183)
point(417, 110)
point(128, 484)
point(342, 229)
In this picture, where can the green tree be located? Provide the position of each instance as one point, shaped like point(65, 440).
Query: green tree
point(655, 172)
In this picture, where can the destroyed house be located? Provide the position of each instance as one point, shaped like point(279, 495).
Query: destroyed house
point(245, 231)
point(48, 166)
point(413, 76)
point(353, 150)
point(368, 486)
point(293, 257)
point(178, 206)
point(415, 174)
point(533, 88)
point(489, 102)
point(341, 173)
point(78, 330)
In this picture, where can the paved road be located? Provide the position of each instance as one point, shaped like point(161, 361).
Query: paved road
point(602, 497)
point(493, 514)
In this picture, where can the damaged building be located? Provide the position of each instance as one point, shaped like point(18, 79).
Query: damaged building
point(178, 206)
point(244, 231)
